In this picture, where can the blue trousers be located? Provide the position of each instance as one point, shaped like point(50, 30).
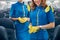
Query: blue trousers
point(22, 31)
point(38, 39)
point(23, 36)
point(39, 35)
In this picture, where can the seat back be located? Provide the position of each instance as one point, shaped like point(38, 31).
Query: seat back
point(1, 15)
point(8, 24)
point(3, 33)
point(57, 33)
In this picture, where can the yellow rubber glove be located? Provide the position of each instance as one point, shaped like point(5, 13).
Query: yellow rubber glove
point(30, 29)
point(33, 29)
point(22, 20)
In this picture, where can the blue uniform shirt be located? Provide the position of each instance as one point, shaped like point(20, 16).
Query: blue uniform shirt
point(39, 17)
point(19, 10)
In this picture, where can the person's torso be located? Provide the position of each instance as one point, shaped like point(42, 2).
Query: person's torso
point(38, 17)
point(20, 10)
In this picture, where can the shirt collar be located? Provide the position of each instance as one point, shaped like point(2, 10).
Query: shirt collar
point(20, 3)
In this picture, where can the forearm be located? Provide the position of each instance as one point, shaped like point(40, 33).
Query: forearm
point(48, 26)
point(14, 19)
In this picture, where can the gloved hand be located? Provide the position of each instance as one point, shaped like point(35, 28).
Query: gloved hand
point(22, 20)
point(30, 29)
point(33, 29)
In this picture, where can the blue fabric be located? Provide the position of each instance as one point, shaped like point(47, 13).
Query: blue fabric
point(43, 19)
point(41, 34)
point(23, 35)
point(17, 11)
point(38, 39)
point(21, 28)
